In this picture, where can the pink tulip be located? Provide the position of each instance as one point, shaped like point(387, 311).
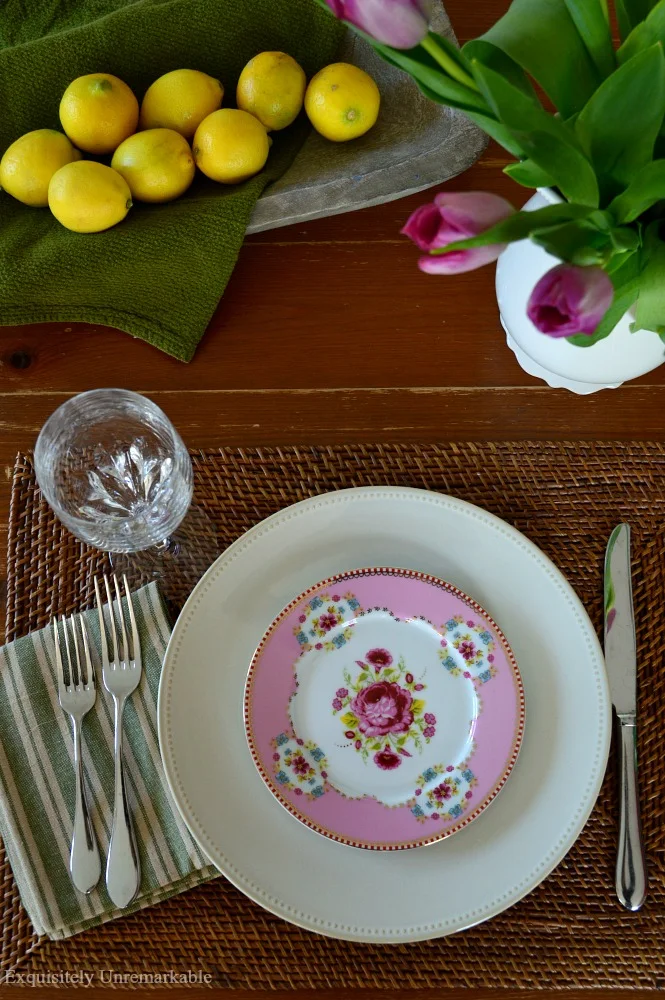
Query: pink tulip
point(454, 216)
point(400, 23)
point(570, 299)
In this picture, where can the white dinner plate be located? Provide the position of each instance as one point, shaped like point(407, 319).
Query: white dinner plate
point(332, 888)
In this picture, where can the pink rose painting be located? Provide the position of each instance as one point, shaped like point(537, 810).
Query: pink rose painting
point(381, 712)
point(383, 708)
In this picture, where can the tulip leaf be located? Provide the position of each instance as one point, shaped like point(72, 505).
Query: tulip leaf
point(630, 13)
point(528, 174)
point(569, 169)
point(639, 9)
point(626, 281)
point(590, 19)
point(624, 239)
point(519, 111)
point(520, 225)
point(578, 242)
point(542, 38)
point(420, 65)
point(650, 309)
point(545, 139)
point(640, 38)
point(647, 188)
point(494, 58)
point(495, 130)
point(619, 125)
point(444, 52)
point(645, 33)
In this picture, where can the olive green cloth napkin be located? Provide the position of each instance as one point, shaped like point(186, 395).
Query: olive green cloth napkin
point(160, 274)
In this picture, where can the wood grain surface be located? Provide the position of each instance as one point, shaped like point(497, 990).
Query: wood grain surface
point(328, 332)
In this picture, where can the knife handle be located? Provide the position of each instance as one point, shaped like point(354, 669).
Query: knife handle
point(631, 875)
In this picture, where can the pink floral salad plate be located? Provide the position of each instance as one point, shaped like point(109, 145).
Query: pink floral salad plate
point(384, 709)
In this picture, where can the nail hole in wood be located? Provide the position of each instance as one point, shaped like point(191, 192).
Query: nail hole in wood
point(20, 359)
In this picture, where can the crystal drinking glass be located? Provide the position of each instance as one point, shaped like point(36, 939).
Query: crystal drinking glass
point(117, 474)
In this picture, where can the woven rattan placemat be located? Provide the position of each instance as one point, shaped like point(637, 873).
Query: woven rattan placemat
point(568, 932)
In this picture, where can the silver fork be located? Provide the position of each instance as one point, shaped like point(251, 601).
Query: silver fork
point(76, 699)
point(121, 676)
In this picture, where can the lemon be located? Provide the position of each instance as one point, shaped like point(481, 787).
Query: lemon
point(88, 197)
point(342, 102)
point(157, 164)
point(98, 111)
point(230, 146)
point(272, 87)
point(30, 162)
point(180, 100)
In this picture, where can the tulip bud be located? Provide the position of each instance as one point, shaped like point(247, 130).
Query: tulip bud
point(400, 23)
point(454, 216)
point(569, 300)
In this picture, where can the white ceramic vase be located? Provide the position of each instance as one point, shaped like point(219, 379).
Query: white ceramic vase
point(606, 365)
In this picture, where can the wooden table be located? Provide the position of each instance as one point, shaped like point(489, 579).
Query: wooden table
point(328, 332)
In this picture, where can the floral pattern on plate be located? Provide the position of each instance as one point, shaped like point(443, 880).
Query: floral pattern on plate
point(319, 616)
point(443, 792)
point(389, 735)
point(381, 711)
point(474, 643)
point(299, 766)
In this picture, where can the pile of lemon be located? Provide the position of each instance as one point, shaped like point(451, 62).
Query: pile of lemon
point(180, 125)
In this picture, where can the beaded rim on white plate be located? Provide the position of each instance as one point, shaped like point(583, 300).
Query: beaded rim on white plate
point(416, 931)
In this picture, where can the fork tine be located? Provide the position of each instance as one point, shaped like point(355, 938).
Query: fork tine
point(73, 680)
point(90, 669)
point(77, 652)
point(112, 623)
point(121, 614)
point(58, 657)
point(136, 645)
point(70, 659)
point(102, 626)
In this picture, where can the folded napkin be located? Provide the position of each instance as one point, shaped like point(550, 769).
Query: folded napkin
point(160, 274)
point(37, 784)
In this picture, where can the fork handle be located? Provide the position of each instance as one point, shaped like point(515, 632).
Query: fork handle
point(84, 864)
point(631, 878)
point(122, 866)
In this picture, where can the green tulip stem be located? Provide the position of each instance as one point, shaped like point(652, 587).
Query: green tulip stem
point(430, 44)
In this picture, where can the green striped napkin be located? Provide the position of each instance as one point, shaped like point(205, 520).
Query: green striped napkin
point(37, 785)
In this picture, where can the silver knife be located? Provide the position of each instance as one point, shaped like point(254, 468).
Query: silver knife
point(621, 661)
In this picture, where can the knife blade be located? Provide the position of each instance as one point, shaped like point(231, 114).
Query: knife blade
point(621, 663)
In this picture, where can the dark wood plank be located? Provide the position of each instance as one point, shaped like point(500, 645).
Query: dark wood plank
point(208, 418)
